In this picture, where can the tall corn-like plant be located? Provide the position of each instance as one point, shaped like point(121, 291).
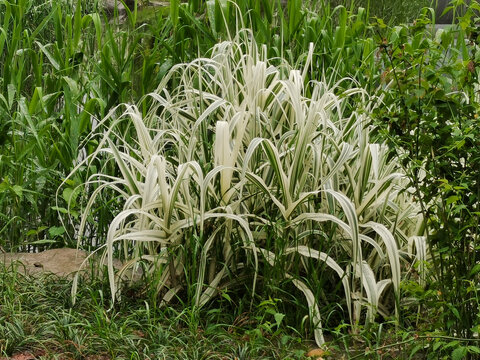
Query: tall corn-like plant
point(237, 169)
point(43, 114)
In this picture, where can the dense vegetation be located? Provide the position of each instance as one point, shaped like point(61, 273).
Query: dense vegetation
point(248, 158)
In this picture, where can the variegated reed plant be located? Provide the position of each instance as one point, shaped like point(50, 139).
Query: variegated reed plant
point(237, 169)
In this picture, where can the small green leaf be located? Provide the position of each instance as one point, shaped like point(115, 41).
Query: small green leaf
point(72, 84)
point(56, 231)
point(475, 270)
point(452, 199)
point(67, 194)
point(437, 345)
point(454, 311)
point(416, 349)
point(49, 55)
point(36, 231)
point(473, 349)
point(18, 190)
point(70, 196)
point(459, 353)
point(4, 185)
point(60, 209)
point(278, 318)
point(227, 297)
point(380, 23)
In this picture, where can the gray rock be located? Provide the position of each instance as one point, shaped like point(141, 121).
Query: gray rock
point(110, 5)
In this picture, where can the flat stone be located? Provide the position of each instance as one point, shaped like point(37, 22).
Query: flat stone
point(110, 5)
point(63, 262)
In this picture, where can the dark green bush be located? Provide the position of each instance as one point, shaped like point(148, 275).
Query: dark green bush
point(430, 118)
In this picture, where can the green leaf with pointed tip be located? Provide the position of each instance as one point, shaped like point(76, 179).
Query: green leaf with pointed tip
point(459, 353)
point(56, 231)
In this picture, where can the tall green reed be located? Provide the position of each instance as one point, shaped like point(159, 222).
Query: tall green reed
point(28, 162)
point(58, 75)
point(73, 66)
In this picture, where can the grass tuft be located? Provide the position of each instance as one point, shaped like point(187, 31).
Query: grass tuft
point(236, 147)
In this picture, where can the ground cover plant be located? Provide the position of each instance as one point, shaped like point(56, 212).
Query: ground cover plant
point(38, 321)
point(324, 160)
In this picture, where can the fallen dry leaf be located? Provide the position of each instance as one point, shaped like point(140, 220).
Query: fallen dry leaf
point(23, 356)
point(139, 333)
point(316, 353)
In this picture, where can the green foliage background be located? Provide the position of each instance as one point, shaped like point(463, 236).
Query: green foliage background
point(65, 66)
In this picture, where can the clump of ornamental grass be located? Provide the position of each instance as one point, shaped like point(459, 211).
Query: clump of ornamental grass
point(245, 170)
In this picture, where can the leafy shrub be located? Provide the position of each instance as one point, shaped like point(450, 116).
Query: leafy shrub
point(394, 12)
point(430, 118)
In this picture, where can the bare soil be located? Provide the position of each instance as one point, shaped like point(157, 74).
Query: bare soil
point(62, 262)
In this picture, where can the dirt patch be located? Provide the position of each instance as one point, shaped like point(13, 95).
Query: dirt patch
point(61, 262)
